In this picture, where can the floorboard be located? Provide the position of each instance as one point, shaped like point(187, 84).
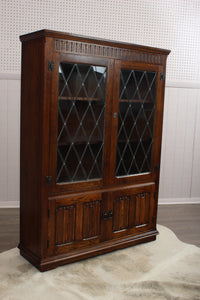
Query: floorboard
point(183, 219)
point(9, 228)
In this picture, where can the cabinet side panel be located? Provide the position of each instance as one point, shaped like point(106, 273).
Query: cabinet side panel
point(31, 144)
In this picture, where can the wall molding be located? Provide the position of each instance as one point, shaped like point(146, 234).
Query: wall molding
point(193, 200)
point(162, 201)
point(10, 76)
point(189, 84)
point(9, 204)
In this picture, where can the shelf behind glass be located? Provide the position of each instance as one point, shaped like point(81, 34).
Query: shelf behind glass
point(80, 99)
point(79, 142)
point(136, 101)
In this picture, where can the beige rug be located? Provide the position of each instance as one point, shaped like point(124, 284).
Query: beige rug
point(163, 269)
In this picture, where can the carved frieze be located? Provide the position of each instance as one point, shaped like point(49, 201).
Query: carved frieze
point(83, 48)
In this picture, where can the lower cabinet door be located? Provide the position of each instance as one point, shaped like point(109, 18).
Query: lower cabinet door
point(84, 221)
point(133, 211)
point(74, 223)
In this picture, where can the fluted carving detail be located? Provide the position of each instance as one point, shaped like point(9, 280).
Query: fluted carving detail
point(81, 48)
point(91, 219)
point(65, 224)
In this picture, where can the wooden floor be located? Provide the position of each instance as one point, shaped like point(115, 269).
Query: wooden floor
point(184, 220)
point(9, 228)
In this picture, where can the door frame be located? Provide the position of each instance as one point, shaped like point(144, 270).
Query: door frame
point(54, 187)
point(143, 177)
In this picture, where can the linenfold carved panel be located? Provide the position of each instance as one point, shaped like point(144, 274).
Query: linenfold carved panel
point(121, 213)
point(91, 219)
point(142, 207)
point(81, 48)
point(131, 211)
point(65, 224)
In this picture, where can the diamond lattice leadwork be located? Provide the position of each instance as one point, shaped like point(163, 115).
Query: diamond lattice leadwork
point(81, 109)
point(136, 122)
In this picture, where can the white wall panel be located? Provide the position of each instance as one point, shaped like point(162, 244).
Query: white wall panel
point(195, 180)
point(180, 146)
point(9, 142)
point(3, 141)
point(180, 158)
point(13, 138)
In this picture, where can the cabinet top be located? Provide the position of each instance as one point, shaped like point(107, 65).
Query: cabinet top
point(98, 41)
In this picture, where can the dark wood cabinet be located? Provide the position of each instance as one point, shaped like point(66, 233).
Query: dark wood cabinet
point(91, 126)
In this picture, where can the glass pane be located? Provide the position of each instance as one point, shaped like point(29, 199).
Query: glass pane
point(81, 113)
point(135, 122)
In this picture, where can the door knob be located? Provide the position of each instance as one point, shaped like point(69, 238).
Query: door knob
point(110, 214)
point(105, 215)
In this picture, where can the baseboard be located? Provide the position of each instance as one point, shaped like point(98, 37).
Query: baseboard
point(183, 84)
point(194, 200)
point(9, 204)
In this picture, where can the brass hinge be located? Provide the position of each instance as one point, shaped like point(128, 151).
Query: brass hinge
point(47, 243)
point(162, 76)
point(48, 213)
point(48, 180)
point(155, 195)
point(156, 169)
point(153, 219)
point(51, 66)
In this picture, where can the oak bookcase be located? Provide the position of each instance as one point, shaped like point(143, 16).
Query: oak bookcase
point(91, 126)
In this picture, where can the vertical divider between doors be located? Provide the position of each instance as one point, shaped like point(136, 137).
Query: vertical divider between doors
point(114, 121)
point(107, 223)
point(108, 123)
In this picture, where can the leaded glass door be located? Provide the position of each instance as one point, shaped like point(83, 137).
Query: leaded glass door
point(81, 115)
point(79, 122)
point(135, 105)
